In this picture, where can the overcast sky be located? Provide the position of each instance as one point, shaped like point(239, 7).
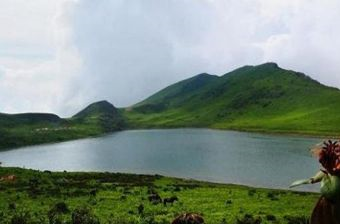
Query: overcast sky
point(59, 55)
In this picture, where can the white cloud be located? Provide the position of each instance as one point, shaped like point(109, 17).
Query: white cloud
point(38, 61)
point(60, 55)
point(310, 44)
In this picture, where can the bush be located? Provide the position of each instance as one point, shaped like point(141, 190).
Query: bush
point(54, 218)
point(251, 192)
point(84, 215)
point(12, 206)
point(21, 218)
point(54, 215)
point(271, 217)
point(272, 196)
point(61, 207)
point(249, 219)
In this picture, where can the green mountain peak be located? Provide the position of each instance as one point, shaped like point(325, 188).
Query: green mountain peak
point(94, 109)
point(259, 98)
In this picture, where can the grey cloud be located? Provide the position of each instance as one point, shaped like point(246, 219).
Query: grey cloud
point(133, 48)
point(129, 47)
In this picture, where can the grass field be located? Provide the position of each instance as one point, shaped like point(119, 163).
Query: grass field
point(63, 197)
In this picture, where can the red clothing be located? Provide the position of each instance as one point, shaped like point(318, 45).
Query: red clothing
point(326, 212)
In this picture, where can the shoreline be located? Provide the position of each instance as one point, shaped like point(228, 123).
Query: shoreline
point(258, 131)
point(183, 179)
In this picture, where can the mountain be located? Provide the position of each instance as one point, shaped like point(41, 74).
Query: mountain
point(28, 118)
point(255, 98)
point(102, 114)
point(36, 128)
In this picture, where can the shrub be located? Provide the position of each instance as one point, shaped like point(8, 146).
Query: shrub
point(55, 218)
point(21, 218)
point(271, 217)
point(61, 207)
point(228, 202)
point(272, 196)
point(12, 206)
point(54, 215)
point(249, 219)
point(251, 192)
point(224, 221)
point(84, 215)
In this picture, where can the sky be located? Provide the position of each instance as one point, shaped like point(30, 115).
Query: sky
point(60, 55)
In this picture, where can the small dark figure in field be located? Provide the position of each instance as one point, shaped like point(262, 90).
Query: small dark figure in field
point(188, 218)
point(61, 207)
point(271, 217)
point(84, 215)
point(327, 209)
point(170, 200)
point(155, 199)
point(12, 206)
point(93, 192)
point(228, 202)
point(140, 209)
point(151, 191)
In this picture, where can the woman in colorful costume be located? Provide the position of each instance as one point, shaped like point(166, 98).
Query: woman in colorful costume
point(327, 209)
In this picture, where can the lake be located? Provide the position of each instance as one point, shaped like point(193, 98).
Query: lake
point(272, 161)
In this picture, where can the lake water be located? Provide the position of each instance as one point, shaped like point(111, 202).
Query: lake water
point(219, 156)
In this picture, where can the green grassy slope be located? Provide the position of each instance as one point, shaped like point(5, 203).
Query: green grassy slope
point(254, 98)
point(36, 128)
point(49, 197)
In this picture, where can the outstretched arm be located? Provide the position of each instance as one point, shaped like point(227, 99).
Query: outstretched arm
point(317, 178)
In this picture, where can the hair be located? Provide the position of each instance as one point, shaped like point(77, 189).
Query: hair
point(328, 154)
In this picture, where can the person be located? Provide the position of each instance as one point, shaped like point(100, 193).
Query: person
point(327, 209)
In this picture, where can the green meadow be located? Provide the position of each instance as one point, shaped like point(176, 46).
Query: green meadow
point(87, 198)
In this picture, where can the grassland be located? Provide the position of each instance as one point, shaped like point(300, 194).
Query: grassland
point(56, 197)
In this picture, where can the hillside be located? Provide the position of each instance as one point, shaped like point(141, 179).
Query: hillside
point(254, 98)
point(175, 94)
point(36, 128)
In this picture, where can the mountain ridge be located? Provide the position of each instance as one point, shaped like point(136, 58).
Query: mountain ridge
point(254, 98)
